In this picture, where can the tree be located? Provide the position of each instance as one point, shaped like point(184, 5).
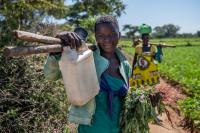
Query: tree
point(159, 32)
point(85, 9)
point(168, 30)
point(24, 14)
point(84, 13)
point(130, 30)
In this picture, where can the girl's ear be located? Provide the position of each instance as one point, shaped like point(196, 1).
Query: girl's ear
point(119, 35)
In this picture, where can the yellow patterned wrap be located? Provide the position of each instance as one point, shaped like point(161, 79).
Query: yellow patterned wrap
point(145, 72)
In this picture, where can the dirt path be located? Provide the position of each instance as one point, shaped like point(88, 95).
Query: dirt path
point(171, 96)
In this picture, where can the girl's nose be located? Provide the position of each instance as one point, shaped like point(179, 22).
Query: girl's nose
point(107, 39)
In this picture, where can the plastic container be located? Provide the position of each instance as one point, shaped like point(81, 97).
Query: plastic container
point(79, 75)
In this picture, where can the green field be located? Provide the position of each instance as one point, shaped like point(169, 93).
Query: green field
point(178, 41)
point(181, 64)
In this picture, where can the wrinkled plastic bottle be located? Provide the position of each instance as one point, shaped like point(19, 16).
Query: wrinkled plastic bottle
point(79, 75)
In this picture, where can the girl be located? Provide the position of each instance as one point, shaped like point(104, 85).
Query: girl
point(102, 113)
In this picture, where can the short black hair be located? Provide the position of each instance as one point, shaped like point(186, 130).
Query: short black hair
point(109, 19)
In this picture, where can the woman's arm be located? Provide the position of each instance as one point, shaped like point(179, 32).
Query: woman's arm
point(134, 62)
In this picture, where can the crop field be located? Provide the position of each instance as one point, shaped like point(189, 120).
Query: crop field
point(182, 65)
point(178, 41)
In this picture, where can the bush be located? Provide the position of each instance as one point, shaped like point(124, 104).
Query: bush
point(29, 103)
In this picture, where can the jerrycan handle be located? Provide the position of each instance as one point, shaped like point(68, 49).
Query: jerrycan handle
point(82, 33)
point(83, 47)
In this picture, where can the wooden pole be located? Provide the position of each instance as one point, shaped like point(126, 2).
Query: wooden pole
point(31, 37)
point(28, 50)
point(163, 45)
point(54, 45)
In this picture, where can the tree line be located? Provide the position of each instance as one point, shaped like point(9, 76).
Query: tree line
point(165, 31)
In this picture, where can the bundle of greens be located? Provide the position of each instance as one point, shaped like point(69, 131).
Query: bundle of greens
point(140, 107)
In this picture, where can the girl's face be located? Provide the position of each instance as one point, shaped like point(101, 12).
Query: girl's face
point(107, 37)
point(145, 38)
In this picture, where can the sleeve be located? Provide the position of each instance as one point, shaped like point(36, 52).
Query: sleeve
point(138, 49)
point(128, 70)
point(153, 49)
point(51, 68)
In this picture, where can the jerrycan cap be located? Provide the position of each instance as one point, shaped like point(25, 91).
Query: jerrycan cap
point(81, 32)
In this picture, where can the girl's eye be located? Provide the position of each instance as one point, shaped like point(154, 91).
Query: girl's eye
point(103, 37)
point(100, 36)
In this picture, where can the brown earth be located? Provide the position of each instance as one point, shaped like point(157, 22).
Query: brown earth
point(171, 95)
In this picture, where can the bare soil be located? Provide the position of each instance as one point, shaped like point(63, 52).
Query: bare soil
point(171, 95)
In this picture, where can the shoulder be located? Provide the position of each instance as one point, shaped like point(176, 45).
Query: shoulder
point(153, 49)
point(120, 54)
point(138, 49)
point(123, 60)
point(153, 46)
point(138, 46)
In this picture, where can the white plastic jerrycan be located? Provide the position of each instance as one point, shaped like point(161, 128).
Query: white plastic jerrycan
point(79, 75)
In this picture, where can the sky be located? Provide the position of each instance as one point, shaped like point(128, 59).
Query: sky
point(184, 13)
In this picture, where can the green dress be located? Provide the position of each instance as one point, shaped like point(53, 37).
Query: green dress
point(102, 122)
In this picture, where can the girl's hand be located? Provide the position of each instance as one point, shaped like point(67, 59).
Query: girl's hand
point(70, 39)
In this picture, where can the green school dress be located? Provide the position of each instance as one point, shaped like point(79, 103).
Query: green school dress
point(102, 121)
